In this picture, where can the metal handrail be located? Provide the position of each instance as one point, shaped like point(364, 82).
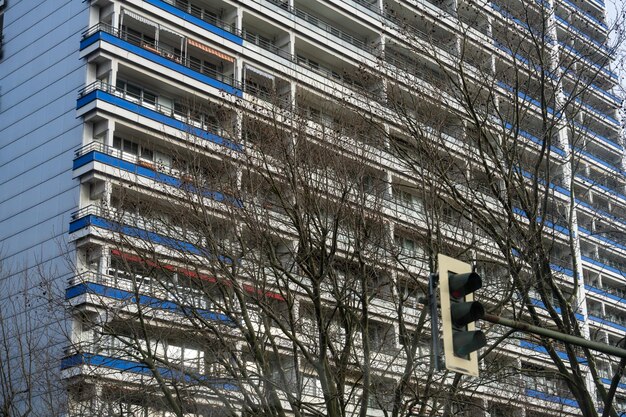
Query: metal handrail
point(199, 13)
point(125, 156)
point(421, 34)
point(321, 24)
point(166, 110)
point(159, 49)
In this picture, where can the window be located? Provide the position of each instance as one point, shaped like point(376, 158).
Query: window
point(203, 66)
point(188, 358)
point(410, 293)
point(381, 395)
point(406, 199)
point(382, 337)
point(137, 37)
point(407, 245)
point(283, 374)
point(379, 284)
point(311, 386)
point(133, 148)
point(125, 145)
point(136, 93)
point(302, 60)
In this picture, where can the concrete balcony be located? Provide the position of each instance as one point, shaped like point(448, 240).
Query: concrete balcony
point(164, 55)
point(99, 91)
point(102, 289)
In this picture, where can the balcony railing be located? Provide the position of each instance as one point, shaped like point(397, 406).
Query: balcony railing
point(598, 112)
point(160, 289)
point(584, 13)
point(602, 184)
point(614, 293)
point(253, 38)
point(598, 160)
point(162, 49)
point(195, 121)
point(321, 24)
point(588, 62)
point(204, 15)
point(587, 131)
point(574, 29)
point(449, 46)
point(125, 156)
point(85, 355)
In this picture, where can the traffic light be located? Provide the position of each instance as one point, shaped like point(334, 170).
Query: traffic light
point(459, 311)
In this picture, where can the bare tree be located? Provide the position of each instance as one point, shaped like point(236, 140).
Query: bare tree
point(274, 279)
point(279, 269)
point(506, 139)
point(32, 339)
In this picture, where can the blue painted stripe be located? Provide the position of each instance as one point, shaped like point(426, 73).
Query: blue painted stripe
point(196, 21)
point(152, 174)
point(603, 266)
point(551, 225)
point(562, 269)
point(525, 96)
point(90, 40)
point(608, 382)
point(179, 245)
point(158, 59)
point(552, 398)
point(604, 293)
point(129, 167)
point(607, 322)
point(540, 304)
point(602, 187)
point(139, 368)
point(533, 346)
point(602, 238)
point(115, 293)
point(531, 137)
point(156, 116)
point(552, 186)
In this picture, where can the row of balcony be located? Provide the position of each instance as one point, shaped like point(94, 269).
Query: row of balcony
point(584, 13)
point(175, 117)
point(179, 119)
point(582, 58)
point(126, 364)
point(302, 14)
point(190, 63)
point(159, 50)
point(579, 32)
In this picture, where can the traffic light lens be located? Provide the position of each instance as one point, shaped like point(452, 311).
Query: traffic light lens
point(464, 313)
point(468, 342)
point(462, 284)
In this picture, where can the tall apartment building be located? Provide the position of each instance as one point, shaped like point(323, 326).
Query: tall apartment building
point(201, 198)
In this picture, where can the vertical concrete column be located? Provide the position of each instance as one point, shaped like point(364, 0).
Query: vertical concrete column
point(113, 73)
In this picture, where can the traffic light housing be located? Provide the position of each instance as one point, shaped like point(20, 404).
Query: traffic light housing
point(459, 311)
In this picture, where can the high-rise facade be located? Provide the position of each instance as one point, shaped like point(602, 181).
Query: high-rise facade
point(122, 125)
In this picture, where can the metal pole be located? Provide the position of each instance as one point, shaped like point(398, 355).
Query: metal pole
point(434, 320)
point(552, 334)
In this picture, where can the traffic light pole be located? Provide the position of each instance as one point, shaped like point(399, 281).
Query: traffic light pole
point(434, 320)
point(552, 334)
